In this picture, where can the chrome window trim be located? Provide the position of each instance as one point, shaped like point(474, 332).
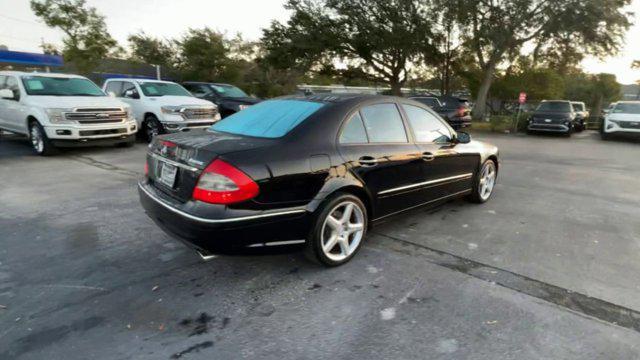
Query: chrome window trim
point(216, 221)
point(426, 183)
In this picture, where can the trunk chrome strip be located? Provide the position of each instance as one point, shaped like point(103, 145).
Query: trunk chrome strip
point(216, 221)
point(431, 182)
point(174, 163)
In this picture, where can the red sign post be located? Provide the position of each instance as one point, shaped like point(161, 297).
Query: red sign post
point(523, 98)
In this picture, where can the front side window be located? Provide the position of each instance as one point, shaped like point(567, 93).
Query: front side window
point(154, 89)
point(426, 127)
point(129, 90)
point(353, 131)
point(268, 119)
point(578, 107)
point(384, 124)
point(60, 86)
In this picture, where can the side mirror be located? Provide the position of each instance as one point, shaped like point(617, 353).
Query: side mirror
point(131, 94)
point(463, 138)
point(7, 94)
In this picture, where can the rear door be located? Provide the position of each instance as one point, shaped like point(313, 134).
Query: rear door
point(445, 171)
point(375, 143)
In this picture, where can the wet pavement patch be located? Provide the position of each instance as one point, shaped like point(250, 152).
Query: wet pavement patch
point(581, 303)
point(197, 326)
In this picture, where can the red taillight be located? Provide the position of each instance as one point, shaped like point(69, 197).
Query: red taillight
point(462, 111)
point(221, 183)
point(146, 168)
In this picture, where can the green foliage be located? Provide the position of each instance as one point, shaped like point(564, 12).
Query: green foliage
point(150, 50)
point(382, 37)
point(594, 90)
point(539, 84)
point(87, 41)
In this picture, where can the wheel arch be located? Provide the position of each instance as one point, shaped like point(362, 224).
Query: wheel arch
point(351, 186)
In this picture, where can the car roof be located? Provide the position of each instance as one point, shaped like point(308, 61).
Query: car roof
point(340, 98)
point(566, 101)
point(25, 73)
point(206, 83)
point(140, 80)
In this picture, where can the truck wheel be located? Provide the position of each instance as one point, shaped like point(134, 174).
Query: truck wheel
point(152, 127)
point(39, 140)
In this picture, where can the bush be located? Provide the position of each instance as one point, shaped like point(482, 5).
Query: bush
point(501, 123)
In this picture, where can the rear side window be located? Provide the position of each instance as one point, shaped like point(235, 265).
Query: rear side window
point(268, 119)
point(426, 127)
point(353, 132)
point(384, 124)
point(114, 87)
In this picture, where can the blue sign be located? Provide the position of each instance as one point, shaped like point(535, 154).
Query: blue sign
point(24, 58)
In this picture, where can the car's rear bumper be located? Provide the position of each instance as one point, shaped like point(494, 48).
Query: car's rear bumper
point(460, 122)
point(225, 234)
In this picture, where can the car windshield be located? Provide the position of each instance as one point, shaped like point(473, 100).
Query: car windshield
point(228, 91)
point(60, 86)
point(269, 119)
point(163, 89)
point(554, 106)
point(627, 108)
point(578, 107)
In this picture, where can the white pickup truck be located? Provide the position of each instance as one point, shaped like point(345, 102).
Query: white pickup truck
point(161, 106)
point(61, 110)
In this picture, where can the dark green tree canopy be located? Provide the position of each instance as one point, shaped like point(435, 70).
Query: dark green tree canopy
point(87, 41)
point(151, 50)
point(382, 37)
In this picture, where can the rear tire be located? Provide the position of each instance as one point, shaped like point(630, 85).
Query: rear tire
point(484, 183)
point(152, 127)
point(39, 140)
point(338, 231)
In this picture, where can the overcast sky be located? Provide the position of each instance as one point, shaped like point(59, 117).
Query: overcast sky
point(20, 30)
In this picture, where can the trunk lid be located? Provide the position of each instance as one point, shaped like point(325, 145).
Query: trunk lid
point(176, 161)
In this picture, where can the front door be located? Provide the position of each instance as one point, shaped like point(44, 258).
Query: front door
point(13, 112)
point(446, 172)
point(375, 144)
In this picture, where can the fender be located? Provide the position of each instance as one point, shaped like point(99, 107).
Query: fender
point(341, 179)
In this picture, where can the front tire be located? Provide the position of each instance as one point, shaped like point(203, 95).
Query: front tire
point(484, 183)
point(338, 231)
point(152, 128)
point(39, 140)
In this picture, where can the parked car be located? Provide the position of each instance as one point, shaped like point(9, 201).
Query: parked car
point(456, 111)
point(60, 110)
point(553, 116)
point(623, 119)
point(431, 101)
point(162, 107)
point(582, 115)
point(230, 99)
point(310, 170)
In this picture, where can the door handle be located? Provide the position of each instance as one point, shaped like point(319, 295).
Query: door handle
point(368, 161)
point(427, 156)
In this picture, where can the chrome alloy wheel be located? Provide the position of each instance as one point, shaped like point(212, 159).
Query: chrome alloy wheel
point(342, 231)
point(487, 180)
point(37, 139)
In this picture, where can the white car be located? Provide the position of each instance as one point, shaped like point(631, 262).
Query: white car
point(61, 110)
point(162, 106)
point(623, 118)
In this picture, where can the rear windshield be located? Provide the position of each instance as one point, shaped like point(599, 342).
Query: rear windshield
point(555, 106)
point(60, 86)
point(627, 108)
point(268, 119)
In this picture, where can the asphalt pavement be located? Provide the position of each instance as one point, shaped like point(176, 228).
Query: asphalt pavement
point(548, 269)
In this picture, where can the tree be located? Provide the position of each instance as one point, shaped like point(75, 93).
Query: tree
point(595, 90)
point(87, 41)
point(49, 49)
point(497, 28)
point(203, 54)
point(151, 50)
point(382, 37)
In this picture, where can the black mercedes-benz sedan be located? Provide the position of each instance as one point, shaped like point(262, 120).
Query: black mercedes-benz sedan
point(315, 171)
